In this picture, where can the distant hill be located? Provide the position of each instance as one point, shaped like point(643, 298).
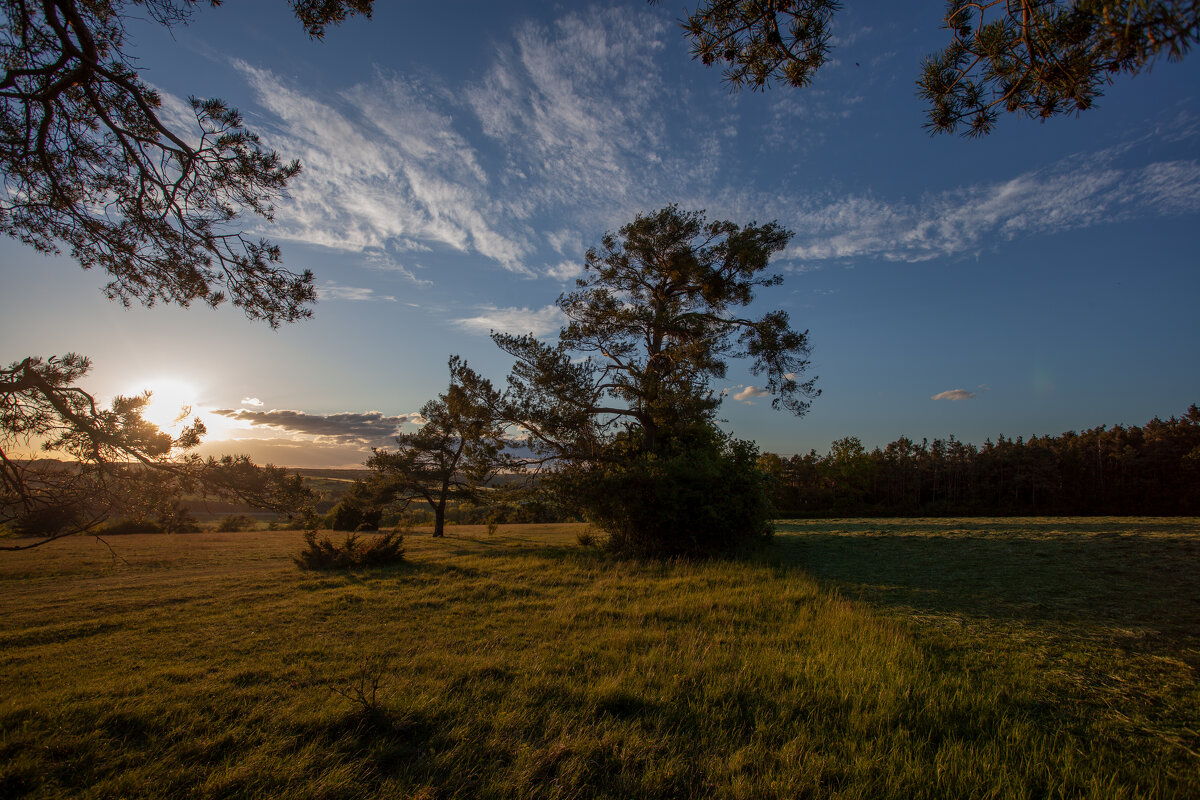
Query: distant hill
point(331, 474)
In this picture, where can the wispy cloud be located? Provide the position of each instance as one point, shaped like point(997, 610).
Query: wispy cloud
point(565, 270)
point(1079, 193)
point(574, 105)
point(331, 290)
point(540, 322)
point(384, 167)
point(385, 262)
point(954, 394)
point(370, 428)
point(582, 132)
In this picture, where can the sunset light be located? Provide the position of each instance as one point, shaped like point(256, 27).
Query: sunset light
point(172, 403)
point(718, 398)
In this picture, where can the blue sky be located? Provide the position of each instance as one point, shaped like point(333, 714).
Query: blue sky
point(457, 164)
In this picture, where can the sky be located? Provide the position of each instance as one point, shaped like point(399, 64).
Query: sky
point(459, 162)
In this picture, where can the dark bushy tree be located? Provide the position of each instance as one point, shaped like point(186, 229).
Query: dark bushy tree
point(699, 495)
point(356, 511)
point(623, 400)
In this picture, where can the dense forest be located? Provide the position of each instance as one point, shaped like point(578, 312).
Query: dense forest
point(1151, 469)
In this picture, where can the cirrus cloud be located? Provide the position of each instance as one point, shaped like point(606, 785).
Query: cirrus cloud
point(540, 322)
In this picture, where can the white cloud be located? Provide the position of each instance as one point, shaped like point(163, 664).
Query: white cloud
point(954, 394)
point(565, 271)
point(336, 291)
point(382, 166)
point(575, 106)
point(1082, 192)
point(749, 393)
point(540, 322)
point(251, 401)
point(583, 135)
point(380, 260)
point(565, 242)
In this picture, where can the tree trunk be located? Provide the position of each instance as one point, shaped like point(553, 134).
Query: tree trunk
point(439, 520)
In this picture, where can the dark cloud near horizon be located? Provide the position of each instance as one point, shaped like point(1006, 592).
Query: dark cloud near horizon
point(371, 427)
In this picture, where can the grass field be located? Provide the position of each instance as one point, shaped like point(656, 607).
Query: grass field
point(1021, 658)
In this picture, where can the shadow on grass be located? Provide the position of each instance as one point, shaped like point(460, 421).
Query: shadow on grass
point(1148, 583)
point(325, 578)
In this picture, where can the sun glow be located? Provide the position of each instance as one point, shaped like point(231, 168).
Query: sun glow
point(174, 404)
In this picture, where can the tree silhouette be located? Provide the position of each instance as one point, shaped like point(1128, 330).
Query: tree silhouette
point(1038, 58)
point(457, 451)
point(89, 163)
point(623, 401)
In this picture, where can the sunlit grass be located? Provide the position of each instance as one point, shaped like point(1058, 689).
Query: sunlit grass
point(855, 658)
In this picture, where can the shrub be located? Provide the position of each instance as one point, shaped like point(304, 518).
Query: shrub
point(131, 526)
point(50, 521)
point(355, 551)
point(355, 511)
point(704, 498)
point(235, 523)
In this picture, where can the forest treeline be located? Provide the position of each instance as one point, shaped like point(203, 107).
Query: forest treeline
point(1148, 469)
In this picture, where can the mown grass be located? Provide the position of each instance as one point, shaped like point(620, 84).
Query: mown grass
point(857, 659)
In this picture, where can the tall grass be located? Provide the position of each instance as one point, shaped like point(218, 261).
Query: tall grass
point(851, 659)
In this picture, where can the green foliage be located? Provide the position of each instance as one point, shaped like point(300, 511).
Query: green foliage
point(176, 518)
point(48, 521)
point(355, 551)
point(756, 42)
point(622, 406)
point(355, 511)
point(702, 498)
point(1147, 469)
point(1044, 58)
point(131, 525)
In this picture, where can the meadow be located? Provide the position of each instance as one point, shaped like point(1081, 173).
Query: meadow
point(1021, 658)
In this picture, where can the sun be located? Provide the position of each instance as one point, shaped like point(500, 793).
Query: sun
point(172, 403)
point(175, 403)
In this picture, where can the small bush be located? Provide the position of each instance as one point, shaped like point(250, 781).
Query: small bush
point(48, 521)
point(235, 523)
point(131, 526)
point(355, 551)
point(586, 538)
